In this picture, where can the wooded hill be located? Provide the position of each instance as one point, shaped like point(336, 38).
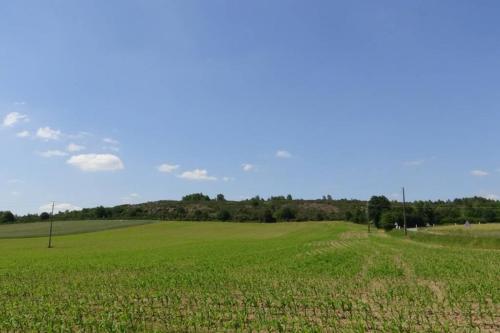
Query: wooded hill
point(382, 212)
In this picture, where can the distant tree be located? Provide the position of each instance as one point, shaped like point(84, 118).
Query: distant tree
point(323, 198)
point(200, 215)
point(44, 216)
point(267, 216)
point(7, 217)
point(426, 212)
point(289, 197)
point(376, 207)
point(329, 197)
point(285, 213)
point(196, 197)
point(388, 219)
point(223, 215)
point(359, 216)
point(220, 197)
point(180, 212)
point(102, 213)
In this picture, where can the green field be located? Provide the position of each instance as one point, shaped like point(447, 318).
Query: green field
point(40, 229)
point(486, 236)
point(207, 277)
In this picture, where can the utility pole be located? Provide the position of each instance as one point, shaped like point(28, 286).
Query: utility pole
point(404, 211)
point(368, 215)
point(51, 222)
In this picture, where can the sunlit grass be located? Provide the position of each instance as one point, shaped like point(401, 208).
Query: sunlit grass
point(172, 276)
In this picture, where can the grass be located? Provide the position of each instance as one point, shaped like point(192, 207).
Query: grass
point(486, 236)
point(180, 276)
point(40, 229)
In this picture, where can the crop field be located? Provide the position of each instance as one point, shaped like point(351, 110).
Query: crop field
point(485, 236)
point(40, 229)
point(208, 276)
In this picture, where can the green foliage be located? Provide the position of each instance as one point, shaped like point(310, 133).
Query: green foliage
point(199, 207)
point(267, 216)
point(103, 213)
point(224, 215)
point(196, 197)
point(285, 213)
point(218, 277)
point(7, 217)
point(376, 207)
point(389, 219)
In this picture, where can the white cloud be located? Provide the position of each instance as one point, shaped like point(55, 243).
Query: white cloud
point(479, 173)
point(492, 197)
point(96, 162)
point(110, 141)
point(20, 103)
point(12, 118)
point(414, 162)
point(283, 154)
point(228, 179)
point(73, 147)
point(46, 133)
point(247, 167)
point(58, 207)
point(23, 134)
point(197, 174)
point(168, 168)
point(53, 153)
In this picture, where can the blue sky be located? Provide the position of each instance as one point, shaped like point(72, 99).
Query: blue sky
point(108, 102)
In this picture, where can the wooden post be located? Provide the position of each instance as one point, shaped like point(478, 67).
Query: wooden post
point(404, 211)
point(51, 222)
point(368, 215)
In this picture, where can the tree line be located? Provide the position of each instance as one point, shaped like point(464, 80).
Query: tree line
point(379, 210)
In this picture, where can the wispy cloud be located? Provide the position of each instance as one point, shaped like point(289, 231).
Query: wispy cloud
point(47, 133)
point(73, 147)
point(283, 154)
point(479, 173)
point(110, 141)
point(197, 175)
point(112, 148)
point(23, 134)
point(53, 153)
point(96, 162)
point(247, 167)
point(167, 168)
point(13, 118)
point(58, 207)
point(131, 198)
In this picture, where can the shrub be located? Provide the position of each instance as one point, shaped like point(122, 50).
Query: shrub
point(285, 213)
point(7, 217)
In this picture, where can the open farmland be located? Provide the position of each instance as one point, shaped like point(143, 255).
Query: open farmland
point(40, 229)
point(485, 236)
point(181, 276)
